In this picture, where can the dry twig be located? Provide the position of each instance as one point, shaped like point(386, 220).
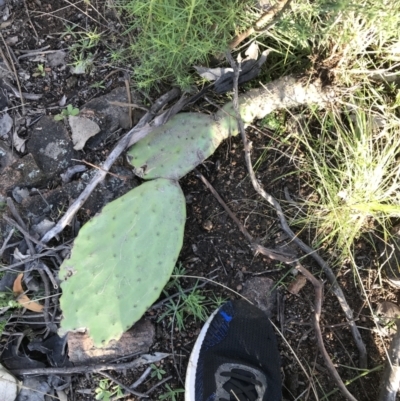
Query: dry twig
point(316, 283)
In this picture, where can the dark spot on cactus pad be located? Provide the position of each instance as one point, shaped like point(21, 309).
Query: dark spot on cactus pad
point(135, 306)
point(112, 235)
point(155, 288)
point(114, 255)
point(113, 217)
point(158, 234)
point(139, 280)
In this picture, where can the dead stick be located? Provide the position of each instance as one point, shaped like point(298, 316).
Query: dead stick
point(307, 274)
point(85, 368)
point(4, 246)
point(317, 328)
point(134, 135)
point(308, 250)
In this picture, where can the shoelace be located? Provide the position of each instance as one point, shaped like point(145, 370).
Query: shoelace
point(240, 386)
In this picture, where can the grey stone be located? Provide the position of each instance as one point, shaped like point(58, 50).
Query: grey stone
point(109, 117)
point(260, 291)
point(51, 146)
point(57, 58)
point(6, 123)
point(6, 157)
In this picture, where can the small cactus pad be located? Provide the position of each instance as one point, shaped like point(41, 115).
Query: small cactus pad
point(122, 259)
point(174, 149)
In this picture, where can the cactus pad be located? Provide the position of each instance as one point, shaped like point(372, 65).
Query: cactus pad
point(122, 259)
point(174, 149)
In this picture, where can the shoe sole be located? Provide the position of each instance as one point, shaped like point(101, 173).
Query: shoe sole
point(190, 379)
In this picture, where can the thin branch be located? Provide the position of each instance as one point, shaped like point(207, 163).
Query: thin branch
point(4, 246)
point(86, 368)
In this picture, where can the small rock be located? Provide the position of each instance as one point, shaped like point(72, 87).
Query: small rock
point(6, 157)
point(33, 389)
point(12, 40)
point(50, 145)
point(260, 291)
point(6, 123)
point(19, 194)
point(108, 116)
point(136, 340)
point(81, 130)
point(57, 58)
point(208, 225)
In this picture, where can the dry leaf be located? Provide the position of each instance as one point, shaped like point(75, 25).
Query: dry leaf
point(296, 286)
point(23, 299)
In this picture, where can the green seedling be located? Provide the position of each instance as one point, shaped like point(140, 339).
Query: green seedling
point(98, 85)
point(193, 303)
point(40, 71)
point(157, 371)
point(171, 394)
point(105, 391)
point(69, 111)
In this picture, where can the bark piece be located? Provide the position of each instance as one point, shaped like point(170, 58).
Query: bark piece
point(136, 340)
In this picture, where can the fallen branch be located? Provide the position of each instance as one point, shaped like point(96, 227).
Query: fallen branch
point(143, 360)
point(316, 283)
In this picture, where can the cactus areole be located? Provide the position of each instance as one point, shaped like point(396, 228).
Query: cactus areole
point(121, 260)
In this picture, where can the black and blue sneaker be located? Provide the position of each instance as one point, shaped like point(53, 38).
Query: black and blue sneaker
point(235, 357)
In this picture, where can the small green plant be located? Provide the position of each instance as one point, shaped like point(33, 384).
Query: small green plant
point(40, 71)
point(171, 394)
point(106, 390)
point(158, 371)
point(193, 303)
point(69, 111)
point(98, 85)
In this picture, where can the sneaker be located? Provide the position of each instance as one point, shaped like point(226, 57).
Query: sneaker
point(235, 357)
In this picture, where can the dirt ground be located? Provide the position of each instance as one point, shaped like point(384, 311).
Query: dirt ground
point(214, 248)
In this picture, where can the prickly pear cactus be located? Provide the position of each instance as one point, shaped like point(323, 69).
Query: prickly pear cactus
point(122, 259)
point(174, 149)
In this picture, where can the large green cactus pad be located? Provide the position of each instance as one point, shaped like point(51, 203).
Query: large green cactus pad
point(122, 259)
point(174, 149)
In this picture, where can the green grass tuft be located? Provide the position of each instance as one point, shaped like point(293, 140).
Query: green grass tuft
point(352, 174)
point(173, 35)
